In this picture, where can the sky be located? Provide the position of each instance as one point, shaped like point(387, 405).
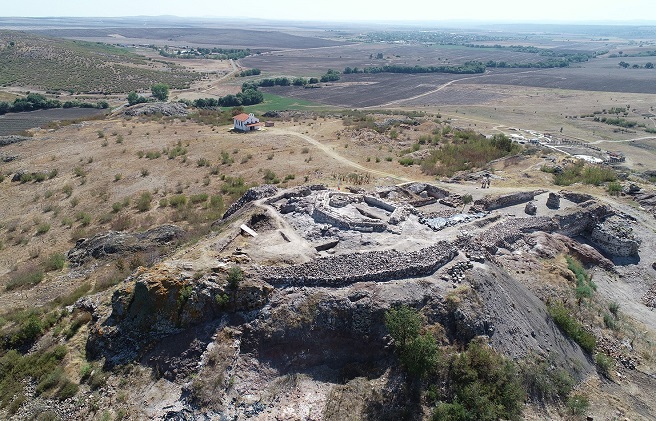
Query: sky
point(347, 10)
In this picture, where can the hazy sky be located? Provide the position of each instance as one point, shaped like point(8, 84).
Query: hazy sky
point(507, 10)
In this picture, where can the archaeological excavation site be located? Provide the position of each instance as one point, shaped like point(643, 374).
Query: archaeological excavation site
point(285, 308)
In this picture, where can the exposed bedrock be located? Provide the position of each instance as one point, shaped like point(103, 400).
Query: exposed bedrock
point(122, 243)
point(160, 302)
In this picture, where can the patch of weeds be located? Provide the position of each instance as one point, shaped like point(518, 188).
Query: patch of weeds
point(143, 203)
point(24, 278)
point(55, 261)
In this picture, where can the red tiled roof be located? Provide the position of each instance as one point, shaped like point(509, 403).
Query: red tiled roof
point(241, 117)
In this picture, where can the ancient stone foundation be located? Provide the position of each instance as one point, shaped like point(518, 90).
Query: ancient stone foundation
point(378, 266)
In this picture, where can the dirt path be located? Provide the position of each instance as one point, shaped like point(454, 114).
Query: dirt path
point(399, 101)
point(331, 153)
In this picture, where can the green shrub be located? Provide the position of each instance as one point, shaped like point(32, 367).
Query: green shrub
point(614, 188)
point(67, 189)
point(178, 201)
point(42, 228)
point(153, 154)
point(235, 276)
point(467, 199)
point(198, 198)
point(79, 171)
point(203, 162)
point(55, 261)
point(143, 203)
point(24, 278)
point(543, 381)
point(609, 321)
point(406, 161)
point(572, 327)
point(614, 308)
point(604, 364)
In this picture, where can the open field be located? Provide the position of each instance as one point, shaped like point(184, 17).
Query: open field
point(261, 40)
point(17, 122)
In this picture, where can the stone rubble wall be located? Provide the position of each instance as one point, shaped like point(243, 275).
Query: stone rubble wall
point(613, 245)
point(582, 219)
point(489, 203)
point(508, 232)
point(251, 195)
point(379, 203)
point(323, 213)
point(373, 266)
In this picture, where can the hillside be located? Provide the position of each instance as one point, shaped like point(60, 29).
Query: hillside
point(130, 290)
point(49, 64)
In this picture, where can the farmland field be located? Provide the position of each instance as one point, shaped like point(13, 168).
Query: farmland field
point(218, 37)
point(16, 122)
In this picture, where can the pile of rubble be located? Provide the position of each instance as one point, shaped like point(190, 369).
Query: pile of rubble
point(168, 109)
point(507, 232)
point(373, 266)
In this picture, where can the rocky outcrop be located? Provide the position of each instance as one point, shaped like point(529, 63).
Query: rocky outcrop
point(489, 203)
point(251, 195)
point(377, 266)
point(122, 243)
point(8, 140)
point(159, 302)
point(168, 109)
point(548, 246)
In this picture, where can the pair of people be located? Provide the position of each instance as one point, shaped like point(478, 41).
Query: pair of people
point(485, 184)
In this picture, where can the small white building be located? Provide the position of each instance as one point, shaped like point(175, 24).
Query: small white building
point(245, 122)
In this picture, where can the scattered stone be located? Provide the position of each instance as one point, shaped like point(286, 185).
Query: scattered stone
point(8, 140)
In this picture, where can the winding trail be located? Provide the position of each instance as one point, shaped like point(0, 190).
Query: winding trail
point(331, 153)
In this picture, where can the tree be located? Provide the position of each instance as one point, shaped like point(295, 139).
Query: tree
point(134, 98)
point(624, 64)
point(403, 324)
point(235, 276)
point(160, 91)
point(649, 65)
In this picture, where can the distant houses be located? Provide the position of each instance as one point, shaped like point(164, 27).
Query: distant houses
point(246, 122)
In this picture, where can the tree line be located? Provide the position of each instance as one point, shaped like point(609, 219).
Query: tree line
point(248, 96)
point(33, 102)
point(469, 67)
point(329, 76)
